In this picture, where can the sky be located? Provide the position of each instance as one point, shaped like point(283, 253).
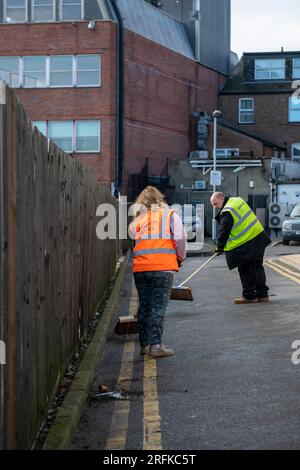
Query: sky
point(265, 25)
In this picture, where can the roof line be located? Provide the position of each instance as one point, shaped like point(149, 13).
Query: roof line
point(231, 127)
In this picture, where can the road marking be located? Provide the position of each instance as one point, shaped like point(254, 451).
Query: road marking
point(152, 430)
point(119, 424)
point(283, 271)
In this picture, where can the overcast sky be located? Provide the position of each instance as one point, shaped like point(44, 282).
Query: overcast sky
point(265, 25)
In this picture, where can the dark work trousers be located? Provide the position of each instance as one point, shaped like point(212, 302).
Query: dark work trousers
point(253, 278)
point(154, 288)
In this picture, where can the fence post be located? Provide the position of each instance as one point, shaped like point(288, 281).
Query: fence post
point(10, 207)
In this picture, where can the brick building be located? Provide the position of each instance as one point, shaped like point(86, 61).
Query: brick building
point(112, 82)
point(257, 98)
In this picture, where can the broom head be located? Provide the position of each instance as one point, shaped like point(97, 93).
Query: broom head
point(127, 326)
point(181, 293)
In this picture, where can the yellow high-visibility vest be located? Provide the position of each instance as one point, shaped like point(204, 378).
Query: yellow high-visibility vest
point(246, 225)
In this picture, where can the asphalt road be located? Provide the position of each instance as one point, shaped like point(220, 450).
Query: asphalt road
point(231, 384)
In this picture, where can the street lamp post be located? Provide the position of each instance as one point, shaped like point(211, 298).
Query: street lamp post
point(216, 114)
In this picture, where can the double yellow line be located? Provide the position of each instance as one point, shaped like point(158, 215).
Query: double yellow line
point(283, 270)
point(117, 436)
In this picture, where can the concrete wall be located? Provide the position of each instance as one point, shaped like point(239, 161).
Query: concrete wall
point(215, 29)
point(182, 173)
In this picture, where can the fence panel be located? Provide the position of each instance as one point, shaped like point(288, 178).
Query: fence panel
point(54, 270)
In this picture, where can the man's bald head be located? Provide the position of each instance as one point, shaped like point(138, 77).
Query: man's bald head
point(217, 200)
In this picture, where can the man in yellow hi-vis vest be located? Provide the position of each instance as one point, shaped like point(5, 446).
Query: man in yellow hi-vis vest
point(243, 239)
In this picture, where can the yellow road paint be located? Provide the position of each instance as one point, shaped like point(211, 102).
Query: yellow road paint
point(152, 430)
point(283, 271)
point(119, 425)
point(151, 419)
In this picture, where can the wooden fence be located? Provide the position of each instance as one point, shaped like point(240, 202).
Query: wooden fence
point(54, 270)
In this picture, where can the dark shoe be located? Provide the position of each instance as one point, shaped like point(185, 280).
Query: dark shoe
point(145, 350)
point(161, 351)
point(242, 300)
point(263, 299)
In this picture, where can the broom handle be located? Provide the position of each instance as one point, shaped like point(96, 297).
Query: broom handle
point(199, 269)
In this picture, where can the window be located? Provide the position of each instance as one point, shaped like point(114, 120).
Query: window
point(15, 11)
point(71, 9)
point(43, 10)
point(72, 136)
point(246, 110)
point(41, 125)
point(296, 150)
point(61, 70)
point(88, 70)
point(269, 69)
point(34, 72)
point(9, 71)
point(61, 132)
point(294, 109)
point(87, 136)
point(296, 68)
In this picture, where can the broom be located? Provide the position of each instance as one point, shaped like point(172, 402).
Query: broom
point(182, 292)
point(127, 325)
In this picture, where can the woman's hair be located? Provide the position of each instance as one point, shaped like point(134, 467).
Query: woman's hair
point(150, 196)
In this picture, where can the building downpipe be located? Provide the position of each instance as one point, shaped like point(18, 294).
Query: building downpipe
point(120, 100)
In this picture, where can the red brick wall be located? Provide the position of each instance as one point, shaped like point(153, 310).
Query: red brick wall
point(71, 103)
point(270, 117)
point(228, 138)
point(162, 89)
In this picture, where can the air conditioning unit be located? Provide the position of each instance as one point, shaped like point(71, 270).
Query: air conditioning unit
point(199, 184)
point(199, 154)
point(227, 153)
point(277, 213)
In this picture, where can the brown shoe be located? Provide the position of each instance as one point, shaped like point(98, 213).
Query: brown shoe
point(145, 350)
point(242, 300)
point(263, 299)
point(161, 351)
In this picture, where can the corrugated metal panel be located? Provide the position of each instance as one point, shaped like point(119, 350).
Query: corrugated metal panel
point(144, 19)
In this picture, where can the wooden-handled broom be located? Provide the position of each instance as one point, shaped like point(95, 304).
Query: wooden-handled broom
point(181, 292)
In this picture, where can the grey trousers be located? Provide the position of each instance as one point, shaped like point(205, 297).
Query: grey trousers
point(154, 288)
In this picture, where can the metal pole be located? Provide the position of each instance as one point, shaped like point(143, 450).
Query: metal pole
point(213, 229)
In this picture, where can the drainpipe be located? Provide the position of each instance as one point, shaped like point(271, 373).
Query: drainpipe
point(197, 18)
point(120, 100)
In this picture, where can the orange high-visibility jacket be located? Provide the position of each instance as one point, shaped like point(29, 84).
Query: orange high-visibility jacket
point(154, 246)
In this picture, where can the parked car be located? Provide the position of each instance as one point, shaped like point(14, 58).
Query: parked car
point(291, 226)
point(191, 217)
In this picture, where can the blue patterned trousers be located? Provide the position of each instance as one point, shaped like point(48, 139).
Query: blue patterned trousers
point(154, 288)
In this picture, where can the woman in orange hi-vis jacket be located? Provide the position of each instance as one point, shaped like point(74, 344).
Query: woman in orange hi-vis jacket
point(160, 248)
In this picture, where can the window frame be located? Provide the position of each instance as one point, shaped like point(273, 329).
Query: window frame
point(72, 71)
point(33, 6)
point(74, 84)
point(19, 69)
point(74, 19)
point(244, 111)
point(23, 73)
point(293, 145)
point(298, 67)
point(76, 71)
point(270, 69)
point(290, 110)
point(75, 135)
point(14, 22)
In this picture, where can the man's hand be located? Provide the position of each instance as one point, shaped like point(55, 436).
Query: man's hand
point(180, 262)
point(219, 251)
